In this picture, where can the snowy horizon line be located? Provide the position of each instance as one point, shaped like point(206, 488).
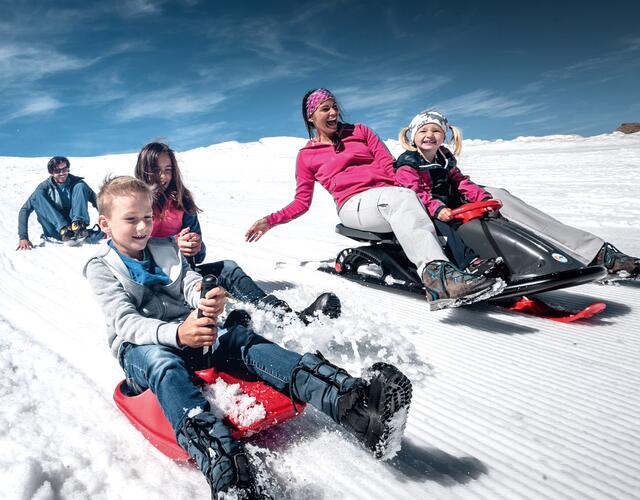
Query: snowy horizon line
point(470, 141)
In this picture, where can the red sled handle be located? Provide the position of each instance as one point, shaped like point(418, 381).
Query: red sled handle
point(470, 211)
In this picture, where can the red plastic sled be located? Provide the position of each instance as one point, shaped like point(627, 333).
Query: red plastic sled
point(470, 211)
point(145, 413)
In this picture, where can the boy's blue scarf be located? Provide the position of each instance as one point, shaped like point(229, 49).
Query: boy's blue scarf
point(145, 271)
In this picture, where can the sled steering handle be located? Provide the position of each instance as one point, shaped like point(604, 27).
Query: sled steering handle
point(209, 282)
point(470, 211)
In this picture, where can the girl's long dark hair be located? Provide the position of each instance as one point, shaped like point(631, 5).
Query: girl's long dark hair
point(147, 171)
point(337, 142)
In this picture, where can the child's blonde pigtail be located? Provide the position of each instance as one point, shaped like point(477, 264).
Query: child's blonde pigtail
point(456, 140)
point(404, 140)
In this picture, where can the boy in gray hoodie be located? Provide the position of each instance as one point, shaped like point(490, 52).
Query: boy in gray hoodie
point(150, 298)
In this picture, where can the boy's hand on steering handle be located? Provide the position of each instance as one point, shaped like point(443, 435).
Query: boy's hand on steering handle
point(197, 332)
point(212, 305)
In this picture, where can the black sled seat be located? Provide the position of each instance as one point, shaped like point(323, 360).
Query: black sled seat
point(534, 264)
point(359, 235)
point(380, 262)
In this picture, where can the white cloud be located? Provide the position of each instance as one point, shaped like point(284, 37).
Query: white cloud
point(486, 103)
point(204, 133)
point(390, 92)
point(140, 7)
point(573, 70)
point(22, 64)
point(33, 106)
point(632, 44)
point(168, 103)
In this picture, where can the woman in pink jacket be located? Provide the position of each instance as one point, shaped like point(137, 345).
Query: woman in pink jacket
point(430, 169)
point(353, 164)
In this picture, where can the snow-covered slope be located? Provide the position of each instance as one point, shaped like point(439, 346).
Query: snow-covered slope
point(505, 406)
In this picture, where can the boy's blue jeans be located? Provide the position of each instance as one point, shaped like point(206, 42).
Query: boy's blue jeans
point(168, 371)
point(233, 279)
point(52, 220)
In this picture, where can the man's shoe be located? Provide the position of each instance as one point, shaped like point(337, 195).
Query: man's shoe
point(327, 303)
point(376, 413)
point(617, 262)
point(66, 233)
point(79, 229)
point(446, 285)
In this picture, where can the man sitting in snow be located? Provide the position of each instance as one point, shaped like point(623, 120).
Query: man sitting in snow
point(147, 291)
point(61, 205)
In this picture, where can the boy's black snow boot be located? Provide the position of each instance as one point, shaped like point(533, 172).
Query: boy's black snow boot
point(327, 303)
point(237, 317)
point(221, 458)
point(274, 304)
point(616, 262)
point(373, 409)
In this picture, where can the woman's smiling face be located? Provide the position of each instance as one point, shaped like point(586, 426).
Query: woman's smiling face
point(325, 118)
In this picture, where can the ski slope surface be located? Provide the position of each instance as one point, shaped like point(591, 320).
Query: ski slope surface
point(505, 406)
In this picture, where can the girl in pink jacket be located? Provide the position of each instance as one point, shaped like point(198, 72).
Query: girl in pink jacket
point(430, 169)
point(353, 164)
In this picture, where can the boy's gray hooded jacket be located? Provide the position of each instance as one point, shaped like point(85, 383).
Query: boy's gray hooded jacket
point(138, 314)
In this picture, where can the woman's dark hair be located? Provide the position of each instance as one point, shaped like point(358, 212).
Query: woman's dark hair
point(148, 172)
point(55, 161)
point(337, 143)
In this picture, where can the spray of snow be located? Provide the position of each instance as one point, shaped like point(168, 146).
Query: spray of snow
point(228, 400)
point(396, 430)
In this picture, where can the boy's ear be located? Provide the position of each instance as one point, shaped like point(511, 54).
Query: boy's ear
point(103, 222)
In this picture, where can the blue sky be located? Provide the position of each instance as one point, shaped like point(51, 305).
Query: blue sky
point(85, 78)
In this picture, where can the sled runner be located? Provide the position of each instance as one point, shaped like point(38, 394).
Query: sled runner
point(533, 264)
point(144, 412)
point(537, 307)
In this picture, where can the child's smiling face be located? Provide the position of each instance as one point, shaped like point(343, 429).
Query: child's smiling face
point(129, 224)
point(428, 139)
point(165, 170)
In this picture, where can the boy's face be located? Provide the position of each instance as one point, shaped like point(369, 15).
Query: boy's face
point(129, 224)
